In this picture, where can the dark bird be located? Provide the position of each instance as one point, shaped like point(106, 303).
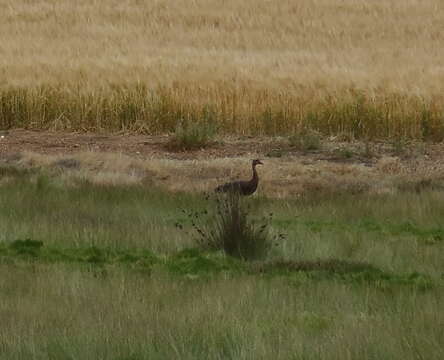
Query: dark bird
point(242, 187)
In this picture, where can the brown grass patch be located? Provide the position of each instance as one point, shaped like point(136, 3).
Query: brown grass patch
point(281, 177)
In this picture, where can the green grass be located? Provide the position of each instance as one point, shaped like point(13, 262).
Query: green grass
point(197, 263)
point(383, 230)
point(89, 271)
point(61, 311)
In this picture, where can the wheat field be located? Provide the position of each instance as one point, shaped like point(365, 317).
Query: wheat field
point(370, 68)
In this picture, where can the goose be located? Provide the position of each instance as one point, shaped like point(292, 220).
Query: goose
point(244, 187)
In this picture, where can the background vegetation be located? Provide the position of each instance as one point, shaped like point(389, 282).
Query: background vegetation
point(372, 69)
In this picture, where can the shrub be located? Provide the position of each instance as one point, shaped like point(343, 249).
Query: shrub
point(190, 135)
point(399, 145)
point(231, 230)
point(307, 140)
point(344, 153)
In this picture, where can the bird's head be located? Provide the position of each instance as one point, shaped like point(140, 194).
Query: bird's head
point(257, 162)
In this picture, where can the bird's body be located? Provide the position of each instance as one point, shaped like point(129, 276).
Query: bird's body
point(244, 188)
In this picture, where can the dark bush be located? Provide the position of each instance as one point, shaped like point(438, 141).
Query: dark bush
point(231, 229)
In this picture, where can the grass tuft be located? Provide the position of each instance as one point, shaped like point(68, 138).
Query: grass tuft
point(13, 171)
point(307, 140)
point(26, 247)
point(231, 229)
point(190, 135)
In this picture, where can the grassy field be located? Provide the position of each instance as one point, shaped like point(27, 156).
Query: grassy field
point(366, 68)
point(103, 271)
point(99, 254)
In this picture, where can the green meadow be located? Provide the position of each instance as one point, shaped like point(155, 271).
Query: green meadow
point(115, 272)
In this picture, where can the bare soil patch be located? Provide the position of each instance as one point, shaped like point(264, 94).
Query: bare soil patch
point(333, 150)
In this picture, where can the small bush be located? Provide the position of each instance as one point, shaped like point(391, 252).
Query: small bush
point(307, 140)
point(344, 153)
point(192, 135)
point(231, 230)
point(399, 145)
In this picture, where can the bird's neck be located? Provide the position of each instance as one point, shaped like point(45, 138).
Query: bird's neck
point(255, 176)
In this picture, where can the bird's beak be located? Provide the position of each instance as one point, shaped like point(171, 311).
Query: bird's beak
point(260, 162)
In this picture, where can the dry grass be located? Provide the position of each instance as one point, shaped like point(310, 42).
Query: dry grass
point(289, 176)
point(370, 68)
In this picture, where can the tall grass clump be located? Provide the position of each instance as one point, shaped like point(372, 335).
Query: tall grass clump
point(307, 140)
point(190, 135)
point(231, 229)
